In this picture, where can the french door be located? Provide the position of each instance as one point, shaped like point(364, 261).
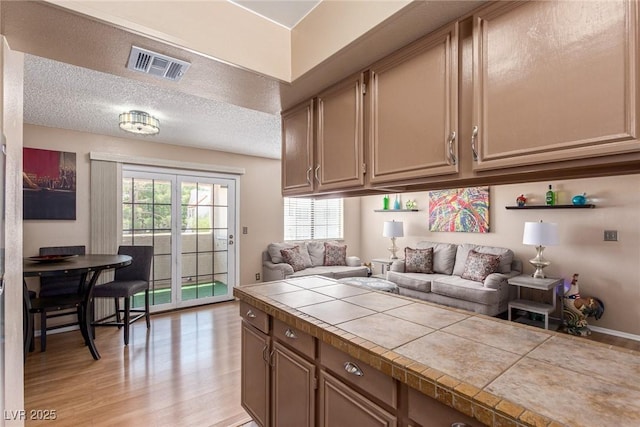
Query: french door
point(190, 221)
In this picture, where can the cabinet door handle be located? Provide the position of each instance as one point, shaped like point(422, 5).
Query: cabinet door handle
point(264, 353)
point(315, 173)
point(251, 314)
point(474, 136)
point(309, 174)
point(290, 334)
point(270, 361)
point(452, 157)
point(354, 369)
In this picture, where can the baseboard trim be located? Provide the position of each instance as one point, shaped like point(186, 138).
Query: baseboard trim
point(615, 333)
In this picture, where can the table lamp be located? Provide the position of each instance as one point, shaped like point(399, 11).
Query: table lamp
point(393, 229)
point(540, 234)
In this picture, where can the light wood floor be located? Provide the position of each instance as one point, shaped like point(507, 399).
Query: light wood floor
point(185, 372)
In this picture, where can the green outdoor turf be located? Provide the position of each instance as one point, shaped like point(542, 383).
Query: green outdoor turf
point(189, 292)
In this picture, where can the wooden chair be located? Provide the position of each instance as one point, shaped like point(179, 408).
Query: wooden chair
point(127, 282)
point(58, 296)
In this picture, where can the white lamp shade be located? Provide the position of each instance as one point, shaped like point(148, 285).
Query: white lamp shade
point(392, 229)
point(540, 233)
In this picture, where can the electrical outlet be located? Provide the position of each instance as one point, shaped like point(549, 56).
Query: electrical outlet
point(610, 235)
point(257, 276)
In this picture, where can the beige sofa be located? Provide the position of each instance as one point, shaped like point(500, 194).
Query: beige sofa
point(274, 266)
point(447, 287)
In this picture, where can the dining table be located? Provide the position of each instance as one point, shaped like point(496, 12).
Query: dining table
point(90, 267)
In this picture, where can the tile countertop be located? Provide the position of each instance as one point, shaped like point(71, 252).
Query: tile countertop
point(499, 372)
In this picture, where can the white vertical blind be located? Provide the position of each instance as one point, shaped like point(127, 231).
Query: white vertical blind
point(307, 219)
point(105, 216)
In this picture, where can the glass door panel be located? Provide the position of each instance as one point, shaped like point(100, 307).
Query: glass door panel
point(205, 239)
point(147, 219)
point(189, 222)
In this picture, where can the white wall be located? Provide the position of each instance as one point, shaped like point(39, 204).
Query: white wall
point(608, 270)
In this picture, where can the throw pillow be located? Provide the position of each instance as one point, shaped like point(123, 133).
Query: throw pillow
point(304, 253)
point(293, 258)
point(335, 254)
point(480, 265)
point(316, 252)
point(418, 260)
point(274, 251)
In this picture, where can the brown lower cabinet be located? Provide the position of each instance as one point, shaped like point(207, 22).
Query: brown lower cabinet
point(254, 372)
point(289, 379)
point(293, 389)
point(342, 406)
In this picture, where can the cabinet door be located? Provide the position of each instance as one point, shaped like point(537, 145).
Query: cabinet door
point(554, 81)
point(297, 150)
point(254, 371)
point(340, 150)
point(293, 389)
point(413, 110)
point(341, 406)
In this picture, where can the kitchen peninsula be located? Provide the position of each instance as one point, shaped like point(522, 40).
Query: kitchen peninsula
point(381, 359)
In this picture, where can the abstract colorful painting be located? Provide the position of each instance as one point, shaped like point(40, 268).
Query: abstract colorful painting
point(463, 209)
point(48, 184)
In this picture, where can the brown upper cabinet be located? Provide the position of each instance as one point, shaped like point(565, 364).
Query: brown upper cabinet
point(515, 92)
point(413, 110)
point(339, 130)
point(297, 150)
point(554, 81)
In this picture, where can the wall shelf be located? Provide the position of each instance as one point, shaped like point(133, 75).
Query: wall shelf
point(587, 206)
point(396, 210)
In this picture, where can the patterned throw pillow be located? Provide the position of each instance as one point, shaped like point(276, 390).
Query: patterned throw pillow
point(335, 254)
point(418, 260)
point(480, 265)
point(293, 258)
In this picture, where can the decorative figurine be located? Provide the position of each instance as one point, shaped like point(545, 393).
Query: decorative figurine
point(576, 309)
point(579, 199)
point(411, 204)
point(521, 200)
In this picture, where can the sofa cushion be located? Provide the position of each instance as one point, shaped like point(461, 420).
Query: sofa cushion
point(316, 252)
point(444, 255)
point(420, 282)
point(418, 260)
point(336, 272)
point(466, 290)
point(292, 257)
point(506, 257)
point(479, 266)
point(335, 254)
point(274, 251)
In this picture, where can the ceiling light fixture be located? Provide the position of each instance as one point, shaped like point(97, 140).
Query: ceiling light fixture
point(139, 122)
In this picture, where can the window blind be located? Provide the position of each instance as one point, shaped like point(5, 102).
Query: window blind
point(308, 219)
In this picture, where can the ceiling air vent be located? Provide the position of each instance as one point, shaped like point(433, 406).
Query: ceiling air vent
point(156, 64)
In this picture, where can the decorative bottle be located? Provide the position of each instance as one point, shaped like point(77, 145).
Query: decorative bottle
point(385, 202)
point(550, 198)
point(396, 204)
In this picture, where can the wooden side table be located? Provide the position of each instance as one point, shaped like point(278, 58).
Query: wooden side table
point(385, 265)
point(545, 284)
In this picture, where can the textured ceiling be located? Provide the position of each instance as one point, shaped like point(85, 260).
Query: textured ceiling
point(70, 97)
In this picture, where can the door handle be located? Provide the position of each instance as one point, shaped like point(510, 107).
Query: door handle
point(474, 136)
point(452, 157)
point(353, 369)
